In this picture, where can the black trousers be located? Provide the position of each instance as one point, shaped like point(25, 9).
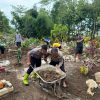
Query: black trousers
point(18, 44)
point(2, 49)
point(56, 63)
point(34, 63)
point(79, 50)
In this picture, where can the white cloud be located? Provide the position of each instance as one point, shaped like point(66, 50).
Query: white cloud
point(5, 5)
point(26, 3)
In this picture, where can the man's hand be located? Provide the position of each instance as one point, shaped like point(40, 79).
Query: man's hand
point(58, 69)
point(45, 59)
point(57, 66)
point(28, 58)
point(46, 62)
point(28, 63)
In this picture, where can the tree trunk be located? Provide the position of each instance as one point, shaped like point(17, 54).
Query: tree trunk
point(68, 34)
point(94, 28)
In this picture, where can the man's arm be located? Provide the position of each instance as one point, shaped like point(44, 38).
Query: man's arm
point(61, 62)
point(61, 59)
point(47, 55)
point(28, 56)
point(79, 40)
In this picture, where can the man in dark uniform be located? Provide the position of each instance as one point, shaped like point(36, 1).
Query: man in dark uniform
point(34, 60)
point(79, 47)
point(2, 48)
point(56, 59)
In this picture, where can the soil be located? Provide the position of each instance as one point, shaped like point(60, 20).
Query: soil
point(49, 76)
point(76, 89)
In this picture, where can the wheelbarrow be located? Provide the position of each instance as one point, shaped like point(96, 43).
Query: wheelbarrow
point(51, 87)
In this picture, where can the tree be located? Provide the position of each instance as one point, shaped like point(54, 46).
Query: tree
point(4, 23)
point(32, 12)
point(80, 16)
point(89, 13)
point(29, 29)
point(43, 24)
point(18, 13)
point(17, 21)
point(32, 23)
point(60, 32)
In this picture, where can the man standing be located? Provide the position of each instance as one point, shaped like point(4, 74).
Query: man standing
point(2, 50)
point(79, 47)
point(18, 40)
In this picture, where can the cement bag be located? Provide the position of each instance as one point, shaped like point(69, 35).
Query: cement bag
point(5, 63)
point(97, 77)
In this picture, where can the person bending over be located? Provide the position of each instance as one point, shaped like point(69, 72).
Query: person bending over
point(34, 60)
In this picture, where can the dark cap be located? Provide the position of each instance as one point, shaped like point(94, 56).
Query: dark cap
point(44, 47)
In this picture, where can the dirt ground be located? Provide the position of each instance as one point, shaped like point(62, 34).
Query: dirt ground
point(76, 84)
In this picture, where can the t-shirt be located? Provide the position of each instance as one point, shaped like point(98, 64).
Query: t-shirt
point(36, 53)
point(58, 58)
point(79, 44)
point(18, 38)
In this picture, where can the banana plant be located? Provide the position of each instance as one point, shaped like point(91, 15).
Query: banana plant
point(60, 32)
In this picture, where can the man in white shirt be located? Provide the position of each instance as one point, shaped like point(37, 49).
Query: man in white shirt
point(18, 40)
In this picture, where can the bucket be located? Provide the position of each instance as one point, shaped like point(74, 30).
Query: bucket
point(97, 77)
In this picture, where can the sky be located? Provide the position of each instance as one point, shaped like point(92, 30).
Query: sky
point(5, 5)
